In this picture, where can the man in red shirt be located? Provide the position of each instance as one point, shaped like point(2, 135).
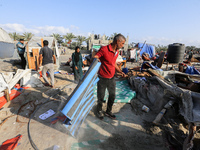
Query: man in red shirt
point(107, 56)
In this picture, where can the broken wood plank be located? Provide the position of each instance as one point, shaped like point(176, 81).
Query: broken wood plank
point(153, 72)
point(6, 91)
point(161, 59)
point(20, 73)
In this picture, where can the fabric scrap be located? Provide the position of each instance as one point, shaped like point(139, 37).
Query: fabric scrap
point(10, 144)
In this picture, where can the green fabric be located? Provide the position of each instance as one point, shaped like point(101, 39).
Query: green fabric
point(97, 47)
point(124, 93)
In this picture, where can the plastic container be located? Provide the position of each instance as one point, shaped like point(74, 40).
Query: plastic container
point(175, 53)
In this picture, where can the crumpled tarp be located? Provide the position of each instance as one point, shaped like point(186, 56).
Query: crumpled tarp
point(156, 89)
point(150, 49)
point(11, 144)
point(191, 70)
point(144, 64)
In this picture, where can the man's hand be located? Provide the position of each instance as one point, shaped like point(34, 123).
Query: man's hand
point(38, 67)
point(123, 74)
point(76, 67)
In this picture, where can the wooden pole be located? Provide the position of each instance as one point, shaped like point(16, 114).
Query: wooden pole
point(42, 42)
point(28, 56)
point(6, 91)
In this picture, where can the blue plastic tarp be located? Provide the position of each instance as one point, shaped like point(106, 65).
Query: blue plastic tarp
point(191, 70)
point(149, 49)
point(151, 66)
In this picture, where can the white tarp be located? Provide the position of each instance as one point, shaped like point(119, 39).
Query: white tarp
point(7, 46)
point(31, 80)
point(3, 85)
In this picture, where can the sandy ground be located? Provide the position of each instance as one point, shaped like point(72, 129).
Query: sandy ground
point(132, 130)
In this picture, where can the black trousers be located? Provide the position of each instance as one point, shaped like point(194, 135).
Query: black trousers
point(110, 84)
point(23, 61)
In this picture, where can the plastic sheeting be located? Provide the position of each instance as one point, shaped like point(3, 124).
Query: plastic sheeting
point(150, 49)
point(6, 45)
point(155, 90)
point(81, 100)
point(192, 70)
point(4, 37)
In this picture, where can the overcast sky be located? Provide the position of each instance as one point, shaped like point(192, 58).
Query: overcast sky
point(157, 21)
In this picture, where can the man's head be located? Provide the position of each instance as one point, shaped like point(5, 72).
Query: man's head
point(46, 43)
point(21, 40)
point(77, 49)
point(119, 41)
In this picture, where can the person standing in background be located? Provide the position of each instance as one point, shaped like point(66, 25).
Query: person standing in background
point(47, 58)
point(190, 55)
point(21, 50)
point(77, 64)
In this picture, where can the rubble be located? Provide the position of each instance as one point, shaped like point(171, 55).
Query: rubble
point(165, 93)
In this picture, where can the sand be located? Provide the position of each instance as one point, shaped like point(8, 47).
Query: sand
point(132, 130)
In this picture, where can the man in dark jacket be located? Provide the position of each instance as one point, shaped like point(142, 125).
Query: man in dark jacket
point(21, 49)
point(190, 55)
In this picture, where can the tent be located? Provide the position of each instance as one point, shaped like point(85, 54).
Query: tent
point(36, 43)
point(6, 45)
point(147, 48)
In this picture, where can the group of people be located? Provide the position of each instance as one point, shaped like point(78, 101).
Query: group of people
point(107, 55)
point(46, 59)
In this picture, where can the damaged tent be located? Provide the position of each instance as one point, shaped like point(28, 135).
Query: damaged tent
point(34, 46)
point(158, 90)
point(6, 45)
point(147, 48)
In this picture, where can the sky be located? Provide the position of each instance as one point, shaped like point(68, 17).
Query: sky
point(160, 22)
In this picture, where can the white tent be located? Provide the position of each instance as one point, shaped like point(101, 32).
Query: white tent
point(35, 42)
point(7, 46)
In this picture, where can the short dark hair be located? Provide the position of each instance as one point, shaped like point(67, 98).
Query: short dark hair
point(21, 39)
point(77, 47)
point(45, 42)
point(119, 37)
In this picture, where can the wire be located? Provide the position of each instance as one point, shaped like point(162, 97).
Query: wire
point(28, 126)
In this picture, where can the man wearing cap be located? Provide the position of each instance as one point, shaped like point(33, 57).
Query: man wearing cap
point(21, 49)
point(107, 56)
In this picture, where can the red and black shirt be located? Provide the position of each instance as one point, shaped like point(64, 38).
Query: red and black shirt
point(108, 60)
